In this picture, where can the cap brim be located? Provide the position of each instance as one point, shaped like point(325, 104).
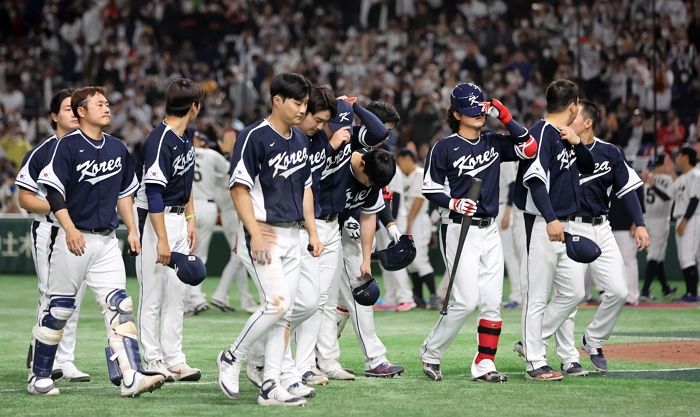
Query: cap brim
point(471, 111)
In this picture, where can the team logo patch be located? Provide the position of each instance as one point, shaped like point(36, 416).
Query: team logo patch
point(471, 165)
point(286, 164)
point(97, 172)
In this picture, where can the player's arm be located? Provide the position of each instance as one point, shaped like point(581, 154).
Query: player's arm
point(386, 217)
point(260, 250)
point(74, 239)
point(433, 185)
point(28, 187)
point(316, 247)
point(368, 224)
point(373, 132)
point(191, 220)
point(33, 204)
point(125, 209)
point(340, 138)
point(526, 145)
point(505, 220)
point(584, 157)
point(156, 209)
point(535, 179)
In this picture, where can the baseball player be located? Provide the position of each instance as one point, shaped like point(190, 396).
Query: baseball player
point(512, 245)
point(166, 218)
point(413, 220)
point(271, 189)
point(32, 197)
point(451, 165)
point(90, 180)
point(686, 191)
point(658, 203)
point(548, 190)
point(612, 174)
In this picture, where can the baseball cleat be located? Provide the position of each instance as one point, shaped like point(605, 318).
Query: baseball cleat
point(271, 394)
point(545, 373)
point(384, 370)
point(301, 390)
point(72, 374)
point(229, 373)
point(435, 302)
point(670, 290)
point(312, 378)
point(600, 363)
point(511, 305)
point(141, 383)
point(405, 306)
point(432, 370)
point(340, 374)
point(223, 306)
point(255, 374)
point(56, 372)
point(493, 377)
point(573, 369)
point(519, 349)
point(183, 372)
point(159, 368)
point(41, 386)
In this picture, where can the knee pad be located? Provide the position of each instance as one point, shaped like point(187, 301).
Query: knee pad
point(57, 314)
point(121, 304)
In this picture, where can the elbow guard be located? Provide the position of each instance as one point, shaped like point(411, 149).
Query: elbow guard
point(527, 149)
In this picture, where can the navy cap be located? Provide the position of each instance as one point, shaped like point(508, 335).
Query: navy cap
point(344, 116)
point(190, 269)
point(581, 249)
point(368, 293)
point(467, 99)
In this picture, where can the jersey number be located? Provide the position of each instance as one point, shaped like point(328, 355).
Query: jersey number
point(197, 172)
point(651, 196)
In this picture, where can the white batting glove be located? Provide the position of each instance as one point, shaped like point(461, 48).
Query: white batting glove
point(351, 228)
point(394, 233)
point(463, 206)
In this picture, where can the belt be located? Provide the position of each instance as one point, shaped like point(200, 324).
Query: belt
point(175, 209)
point(595, 220)
point(287, 224)
point(329, 218)
point(101, 232)
point(480, 223)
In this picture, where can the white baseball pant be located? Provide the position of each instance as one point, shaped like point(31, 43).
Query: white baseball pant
point(421, 231)
point(628, 248)
point(234, 269)
point(689, 243)
point(206, 221)
point(658, 229)
point(397, 287)
point(512, 261)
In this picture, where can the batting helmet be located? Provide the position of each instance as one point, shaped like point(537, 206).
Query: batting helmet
point(398, 255)
point(467, 99)
point(189, 268)
point(581, 249)
point(368, 293)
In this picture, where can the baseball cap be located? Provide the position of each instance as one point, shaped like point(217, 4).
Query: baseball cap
point(467, 99)
point(189, 268)
point(344, 116)
point(581, 249)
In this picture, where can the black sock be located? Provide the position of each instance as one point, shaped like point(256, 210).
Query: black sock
point(690, 275)
point(417, 287)
point(652, 268)
point(429, 280)
point(661, 274)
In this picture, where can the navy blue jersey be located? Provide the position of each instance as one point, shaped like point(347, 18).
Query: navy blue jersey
point(555, 166)
point(91, 175)
point(360, 198)
point(34, 161)
point(454, 161)
point(319, 148)
point(611, 174)
point(276, 170)
point(166, 160)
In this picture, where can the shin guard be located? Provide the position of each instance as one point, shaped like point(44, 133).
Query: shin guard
point(488, 334)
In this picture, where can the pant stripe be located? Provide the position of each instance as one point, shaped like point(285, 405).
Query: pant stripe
point(529, 224)
point(357, 318)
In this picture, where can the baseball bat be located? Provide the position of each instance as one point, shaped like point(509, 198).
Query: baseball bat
point(473, 194)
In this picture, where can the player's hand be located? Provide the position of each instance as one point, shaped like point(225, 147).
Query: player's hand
point(75, 241)
point(498, 110)
point(647, 176)
point(463, 206)
point(340, 137)
point(568, 134)
point(315, 246)
point(351, 227)
point(409, 226)
point(163, 250)
point(641, 236)
point(555, 231)
point(505, 220)
point(192, 235)
point(134, 243)
point(394, 233)
point(365, 268)
point(350, 100)
point(680, 228)
point(260, 250)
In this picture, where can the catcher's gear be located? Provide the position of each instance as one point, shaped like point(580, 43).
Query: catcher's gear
point(190, 269)
point(398, 255)
point(581, 249)
point(368, 293)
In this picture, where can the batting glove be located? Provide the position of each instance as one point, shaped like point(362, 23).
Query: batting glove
point(499, 110)
point(463, 206)
point(394, 233)
point(352, 228)
point(527, 149)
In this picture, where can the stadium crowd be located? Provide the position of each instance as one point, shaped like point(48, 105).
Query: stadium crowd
point(407, 52)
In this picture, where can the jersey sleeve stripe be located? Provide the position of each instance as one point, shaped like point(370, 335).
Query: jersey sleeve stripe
point(55, 184)
point(361, 136)
point(28, 184)
point(130, 189)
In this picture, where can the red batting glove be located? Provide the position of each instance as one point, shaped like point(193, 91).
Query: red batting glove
point(503, 113)
point(527, 149)
point(463, 206)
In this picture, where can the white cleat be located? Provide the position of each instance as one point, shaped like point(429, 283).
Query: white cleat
point(159, 367)
point(300, 390)
point(340, 374)
point(184, 372)
point(312, 378)
point(272, 394)
point(255, 374)
point(229, 373)
point(41, 386)
point(141, 383)
point(72, 374)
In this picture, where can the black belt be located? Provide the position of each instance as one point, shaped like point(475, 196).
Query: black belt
point(480, 223)
point(175, 209)
point(294, 224)
point(329, 218)
point(101, 232)
point(595, 220)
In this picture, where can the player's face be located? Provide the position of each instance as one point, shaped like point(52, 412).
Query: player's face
point(405, 164)
point(292, 111)
point(476, 122)
point(578, 125)
point(65, 119)
point(312, 123)
point(97, 111)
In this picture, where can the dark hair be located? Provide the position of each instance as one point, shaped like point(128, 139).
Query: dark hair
point(590, 111)
point(380, 167)
point(560, 94)
point(407, 153)
point(451, 121)
point(180, 95)
point(384, 111)
point(55, 104)
point(690, 153)
point(320, 99)
point(290, 85)
point(81, 95)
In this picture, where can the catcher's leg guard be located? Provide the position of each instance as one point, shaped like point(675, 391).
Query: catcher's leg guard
point(48, 333)
point(123, 357)
point(489, 331)
point(342, 318)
